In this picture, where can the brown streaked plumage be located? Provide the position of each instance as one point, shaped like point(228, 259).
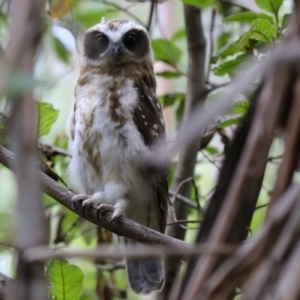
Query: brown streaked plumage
point(115, 127)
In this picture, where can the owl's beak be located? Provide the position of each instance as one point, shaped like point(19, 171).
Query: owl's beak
point(116, 52)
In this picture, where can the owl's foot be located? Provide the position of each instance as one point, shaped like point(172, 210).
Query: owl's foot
point(118, 209)
point(77, 201)
point(103, 209)
point(82, 201)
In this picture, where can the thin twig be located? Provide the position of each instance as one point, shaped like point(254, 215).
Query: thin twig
point(125, 10)
point(187, 201)
point(211, 42)
point(172, 201)
point(210, 160)
point(185, 222)
point(261, 206)
point(153, 4)
point(218, 86)
point(244, 8)
point(50, 150)
point(114, 267)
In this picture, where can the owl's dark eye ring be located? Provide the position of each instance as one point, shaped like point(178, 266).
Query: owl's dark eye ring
point(130, 41)
point(102, 40)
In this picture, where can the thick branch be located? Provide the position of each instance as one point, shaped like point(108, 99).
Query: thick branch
point(249, 256)
point(121, 226)
point(248, 174)
point(195, 95)
point(30, 222)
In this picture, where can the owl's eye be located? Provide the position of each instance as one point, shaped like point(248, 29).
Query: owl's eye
point(102, 40)
point(130, 41)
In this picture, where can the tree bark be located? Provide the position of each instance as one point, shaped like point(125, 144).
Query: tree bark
point(122, 226)
point(20, 55)
point(7, 288)
point(196, 94)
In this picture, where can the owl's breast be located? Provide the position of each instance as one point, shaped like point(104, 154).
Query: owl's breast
point(107, 146)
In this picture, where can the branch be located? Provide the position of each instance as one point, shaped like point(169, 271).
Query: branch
point(30, 220)
point(195, 95)
point(186, 201)
point(122, 226)
point(105, 251)
point(285, 53)
point(211, 42)
point(292, 145)
point(217, 86)
point(248, 174)
point(7, 287)
point(249, 256)
point(152, 7)
point(49, 151)
point(125, 10)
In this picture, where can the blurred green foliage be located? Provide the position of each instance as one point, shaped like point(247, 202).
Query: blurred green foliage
point(240, 41)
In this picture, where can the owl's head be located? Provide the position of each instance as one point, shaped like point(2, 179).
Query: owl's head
point(116, 42)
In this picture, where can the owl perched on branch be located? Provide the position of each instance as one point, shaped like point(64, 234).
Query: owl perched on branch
point(114, 128)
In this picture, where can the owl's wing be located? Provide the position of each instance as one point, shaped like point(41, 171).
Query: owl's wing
point(149, 121)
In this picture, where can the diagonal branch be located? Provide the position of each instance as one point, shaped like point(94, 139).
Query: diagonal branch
point(122, 226)
point(248, 173)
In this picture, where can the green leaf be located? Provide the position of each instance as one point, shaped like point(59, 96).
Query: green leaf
point(226, 51)
point(89, 18)
point(66, 280)
point(89, 295)
point(285, 20)
point(47, 116)
point(169, 74)
point(180, 111)
point(235, 47)
point(223, 40)
point(247, 17)
point(199, 3)
point(230, 122)
point(170, 99)
point(67, 228)
point(240, 107)
point(263, 30)
point(179, 35)
point(243, 41)
point(229, 66)
point(166, 51)
point(211, 150)
point(270, 5)
point(61, 50)
point(6, 227)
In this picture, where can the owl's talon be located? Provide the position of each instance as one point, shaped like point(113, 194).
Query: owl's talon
point(84, 206)
point(113, 219)
point(78, 200)
point(116, 215)
point(104, 208)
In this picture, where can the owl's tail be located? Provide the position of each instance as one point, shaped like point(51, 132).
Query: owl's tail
point(145, 275)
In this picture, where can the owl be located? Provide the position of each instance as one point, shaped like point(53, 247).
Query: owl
point(115, 127)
